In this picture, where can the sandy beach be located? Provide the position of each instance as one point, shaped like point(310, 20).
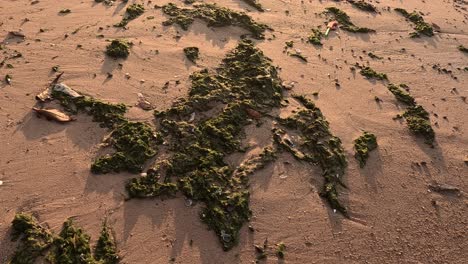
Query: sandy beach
point(408, 204)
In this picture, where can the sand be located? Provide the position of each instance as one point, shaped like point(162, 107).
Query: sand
point(395, 218)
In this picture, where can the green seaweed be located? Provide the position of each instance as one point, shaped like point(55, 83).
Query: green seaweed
point(345, 21)
point(370, 73)
point(315, 37)
point(401, 95)
point(245, 81)
point(363, 5)
point(134, 142)
point(319, 147)
point(280, 251)
point(106, 249)
point(192, 53)
point(373, 56)
point(463, 49)
point(35, 239)
point(419, 123)
point(214, 16)
point(254, 3)
point(132, 12)
point(299, 56)
point(71, 246)
point(421, 26)
point(118, 48)
point(363, 145)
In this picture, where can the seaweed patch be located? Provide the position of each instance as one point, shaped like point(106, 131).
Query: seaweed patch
point(370, 73)
point(132, 12)
point(421, 27)
point(400, 94)
point(118, 48)
point(363, 5)
point(345, 21)
point(319, 146)
point(72, 245)
point(192, 53)
point(315, 37)
point(254, 3)
point(134, 142)
point(214, 16)
point(419, 123)
point(363, 145)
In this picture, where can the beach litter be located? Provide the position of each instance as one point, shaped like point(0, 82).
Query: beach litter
point(332, 25)
point(53, 114)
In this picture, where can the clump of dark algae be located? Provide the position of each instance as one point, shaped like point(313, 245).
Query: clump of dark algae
point(421, 27)
point(319, 146)
point(134, 142)
point(132, 12)
point(214, 16)
point(71, 245)
point(315, 37)
point(419, 123)
point(200, 131)
point(118, 49)
point(254, 3)
point(363, 145)
point(401, 95)
point(363, 5)
point(370, 73)
point(345, 21)
point(192, 53)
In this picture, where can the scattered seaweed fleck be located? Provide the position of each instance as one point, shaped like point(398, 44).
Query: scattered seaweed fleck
point(315, 37)
point(280, 251)
point(363, 145)
point(421, 26)
point(298, 55)
point(345, 21)
point(214, 16)
point(192, 53)
point(373, 56)
point(118, 48)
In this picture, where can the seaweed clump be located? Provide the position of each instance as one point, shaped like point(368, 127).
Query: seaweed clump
point(319, 146)
point(254, 3)
point(106, 249)
point(363, 145)
point(134, 142)
point(192, 53)
point(315, 37)
point(35, 239)
point(345, 21)
point(72, 245)
point(401, 95)
point(118, 48)
point(370, 73)
point(419, 123)
point(214, 16)
point(245, 82)
point(363, 5)
point(132, 12)
point(421, 26)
